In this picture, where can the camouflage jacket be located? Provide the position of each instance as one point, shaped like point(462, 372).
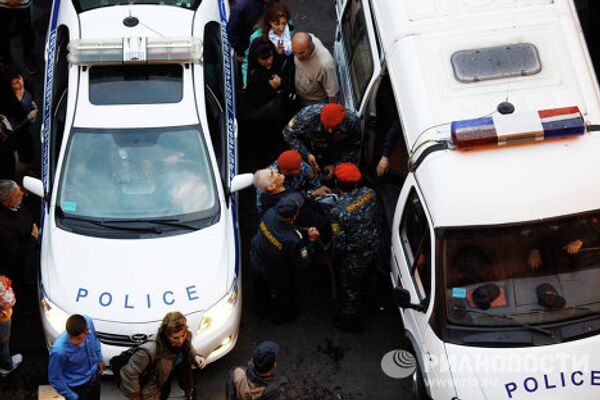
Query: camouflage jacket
point(306, 134)
point(355, 223)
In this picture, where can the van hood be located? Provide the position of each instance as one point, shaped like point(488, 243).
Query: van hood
point(562, 371)
point(137, 280)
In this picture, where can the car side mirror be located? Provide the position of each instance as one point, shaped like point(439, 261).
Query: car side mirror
point(401, 299)
point(34, 186)
point(240, 182)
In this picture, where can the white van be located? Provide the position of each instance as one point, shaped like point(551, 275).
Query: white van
point(139, 172)
point(492, 199)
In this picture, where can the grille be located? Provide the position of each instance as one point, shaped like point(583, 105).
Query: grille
point(120, 340)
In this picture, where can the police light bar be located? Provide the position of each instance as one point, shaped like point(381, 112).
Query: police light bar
point(501, 130)
point(134, 50)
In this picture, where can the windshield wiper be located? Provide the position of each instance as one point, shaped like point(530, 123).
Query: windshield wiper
point(107, 224)
point(504, 317)
point(157, 221)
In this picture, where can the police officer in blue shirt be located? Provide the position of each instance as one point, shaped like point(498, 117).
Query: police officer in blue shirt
point(75, 363)
point(356, 232)
point(277, 252)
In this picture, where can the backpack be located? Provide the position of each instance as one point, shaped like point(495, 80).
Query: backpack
point(119, 361)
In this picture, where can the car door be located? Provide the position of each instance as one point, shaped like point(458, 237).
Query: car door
point(413, 268)
point(356, 53)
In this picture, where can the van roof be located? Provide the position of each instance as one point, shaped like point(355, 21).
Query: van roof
point(505, 185)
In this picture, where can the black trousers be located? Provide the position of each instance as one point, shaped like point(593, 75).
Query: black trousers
point(90, 390)
point(22, 16)
point(183, 375)
point(275, 293)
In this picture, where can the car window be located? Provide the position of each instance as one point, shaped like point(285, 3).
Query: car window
point(214, 90)
point(137, 173)
point(60, 85)
point(416, 242)
point(358, 48)
point(85, 5)
point(136, 84)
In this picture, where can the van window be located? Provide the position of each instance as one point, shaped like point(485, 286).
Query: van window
point(416, 241)
point(358, 48)
point(520, 59)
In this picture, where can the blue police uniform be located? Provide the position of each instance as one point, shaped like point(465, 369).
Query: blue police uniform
point(356, 231)
point(277, 252)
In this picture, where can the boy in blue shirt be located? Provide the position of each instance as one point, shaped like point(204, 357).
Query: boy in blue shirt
point(75, 363)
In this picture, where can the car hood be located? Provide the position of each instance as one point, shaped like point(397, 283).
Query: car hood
point(154, 20)
point(137, 280)
point(563, 371)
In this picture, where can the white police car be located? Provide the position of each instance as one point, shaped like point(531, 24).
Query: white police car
point(139, 171)
point(492, 195)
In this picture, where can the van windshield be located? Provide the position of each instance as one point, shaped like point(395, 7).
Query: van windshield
point(532, 273)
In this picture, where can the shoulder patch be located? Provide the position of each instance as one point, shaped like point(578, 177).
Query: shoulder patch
point(335, 228)
point(361, 201)
point(303, 252)
point(292, 123)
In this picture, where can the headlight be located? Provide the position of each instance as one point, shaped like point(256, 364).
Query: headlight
point(56, 317)
point(218, 314)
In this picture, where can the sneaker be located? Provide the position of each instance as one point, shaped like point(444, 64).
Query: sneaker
point(17, 359)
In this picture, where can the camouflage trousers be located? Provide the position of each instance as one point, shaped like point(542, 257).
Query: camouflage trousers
point(353, 270)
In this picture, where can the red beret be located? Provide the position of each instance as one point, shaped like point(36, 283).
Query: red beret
point(289, 160)
point(332, 115)
point(347, 172)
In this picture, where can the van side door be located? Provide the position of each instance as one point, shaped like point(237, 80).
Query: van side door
point(356, 53)
point(413, 268)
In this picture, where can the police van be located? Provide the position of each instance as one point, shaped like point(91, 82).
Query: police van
point(139, 172)
point(492, 198)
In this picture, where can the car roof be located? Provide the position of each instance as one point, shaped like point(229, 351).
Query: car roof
point(154, 21)
point(502, 185)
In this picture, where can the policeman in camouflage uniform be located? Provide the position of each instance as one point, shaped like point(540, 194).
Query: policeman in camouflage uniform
point(355, 228)
point(277, 252)
point(298, 177)
point(325, 135)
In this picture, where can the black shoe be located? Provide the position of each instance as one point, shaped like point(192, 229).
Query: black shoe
point(31, 65)
point(348, 323)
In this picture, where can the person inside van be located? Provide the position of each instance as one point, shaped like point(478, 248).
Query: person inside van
point(470, 265)
point(558, 250)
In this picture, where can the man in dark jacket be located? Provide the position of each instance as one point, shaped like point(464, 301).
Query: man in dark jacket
point(18, 242)
point(325, 135)
point(277, 252)
point(242, 18)
point(356, 232)
point(258, 380)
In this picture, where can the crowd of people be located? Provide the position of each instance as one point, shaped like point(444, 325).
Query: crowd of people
point(313, 208)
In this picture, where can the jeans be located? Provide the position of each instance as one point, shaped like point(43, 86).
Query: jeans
point(90, 390)
point(5, 358)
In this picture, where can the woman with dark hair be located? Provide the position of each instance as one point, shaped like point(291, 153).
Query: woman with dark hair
point(264, 107)
point(169, 356)
point(21, 111)
point(274, 25)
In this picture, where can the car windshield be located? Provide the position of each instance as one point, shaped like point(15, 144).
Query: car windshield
point(85, 5)
point(137, 174)
point(534, 273)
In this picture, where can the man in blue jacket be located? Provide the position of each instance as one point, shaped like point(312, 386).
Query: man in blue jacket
point(76, 362)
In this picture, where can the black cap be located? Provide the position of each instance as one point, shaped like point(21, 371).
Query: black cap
point(264, 356)
point(289, 206)
point(484, 295)
point(549, 297)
